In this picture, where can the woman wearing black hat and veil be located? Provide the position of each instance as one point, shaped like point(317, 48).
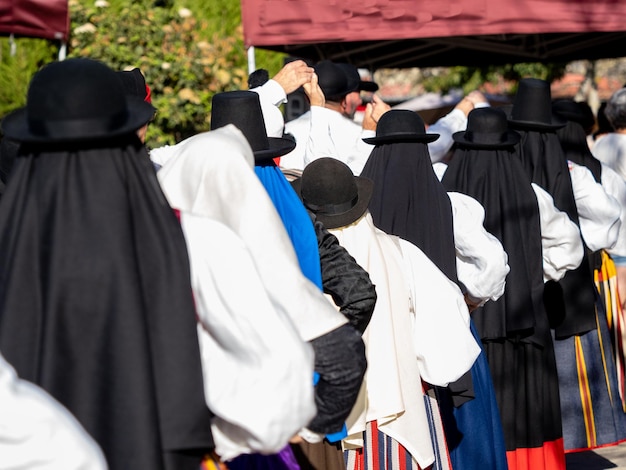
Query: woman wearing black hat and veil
point(514, 329)
point(390, 426)
point(95, 300)
point(597, 189)
point(572, 302)
point(410, 202)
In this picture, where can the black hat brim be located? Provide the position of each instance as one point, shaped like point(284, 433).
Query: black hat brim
point(401, 137)
point(556, 123)
point(512, 138)
point(279, 146)
point(365, 189)
point(365, 85)
point(16, 126)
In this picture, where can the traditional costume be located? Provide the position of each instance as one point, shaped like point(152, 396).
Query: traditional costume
point(408, 201)
point(514, 329)
point(406, 340)
point(95, 300)
point(571, 303)
point(597, 189)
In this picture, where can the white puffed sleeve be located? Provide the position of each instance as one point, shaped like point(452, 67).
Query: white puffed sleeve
point(482, 263)
point(271, 96)
point(615, 185)
point(561, 242)
point(598, 212)
point(454, 121)
point(443, 342)
point(37, 432)
point(258, 372)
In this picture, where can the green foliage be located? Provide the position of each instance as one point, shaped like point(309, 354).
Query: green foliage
point(17, 70)
point(183, 62)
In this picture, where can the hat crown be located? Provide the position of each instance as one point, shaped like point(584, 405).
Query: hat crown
point(328, 181)
point(486, 125)
point(400, 121)
point(74, 89)
point(334, 80)
point(134, 82)
point(487, 128)
point(243, 109)
point(532, 102)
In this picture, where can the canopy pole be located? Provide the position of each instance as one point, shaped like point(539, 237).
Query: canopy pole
point(12, 45)
point(62, 51)
point(251, 60)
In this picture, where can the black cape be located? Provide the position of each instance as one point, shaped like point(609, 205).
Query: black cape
point(96, 303)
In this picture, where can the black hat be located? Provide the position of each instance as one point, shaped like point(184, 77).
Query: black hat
point(334, 81)
point(328, 188)
point(134, 82)
point(576, 111)
point(355, 78)
point(243, 109)
point(532, 107)
point(400, 125)
point(76, 100)
point(486, 128)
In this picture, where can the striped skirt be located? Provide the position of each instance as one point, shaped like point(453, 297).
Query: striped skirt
point(606, 282)
point(591, 406)
point(381, 452)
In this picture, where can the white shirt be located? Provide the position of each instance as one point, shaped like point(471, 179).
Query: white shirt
point(615, 185)
point(328, 134)
point(611, 150)
point(561, 242)
point(259, 388)
point(598, 212)
point(481, 262)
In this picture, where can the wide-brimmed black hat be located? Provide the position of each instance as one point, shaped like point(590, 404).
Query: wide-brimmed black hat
point(328, 188)
point(243, 109)
point(532, 107)
point(354, 78)
point(486, 128)
point(400, 125)
point(76, 100)
point(334, 81)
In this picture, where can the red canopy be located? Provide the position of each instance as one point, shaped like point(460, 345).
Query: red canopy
point(35, 18)
point(402, 33)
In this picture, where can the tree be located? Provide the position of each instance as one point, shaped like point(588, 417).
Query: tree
point(182, 67)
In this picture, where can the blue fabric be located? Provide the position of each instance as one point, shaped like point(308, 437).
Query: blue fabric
point(619, 260)
point(480, 439)
point(295, 219)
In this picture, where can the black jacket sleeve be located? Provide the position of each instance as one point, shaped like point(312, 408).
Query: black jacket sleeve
point(340, 361)
point(345, 280)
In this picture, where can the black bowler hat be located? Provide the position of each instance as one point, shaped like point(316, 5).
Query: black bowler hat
point(76, 100)
point(400, 125)
point(486, 128)
point(328, 188)
point(334, 81)
point(355, 78)
point(532, 107)
point(243, 109)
